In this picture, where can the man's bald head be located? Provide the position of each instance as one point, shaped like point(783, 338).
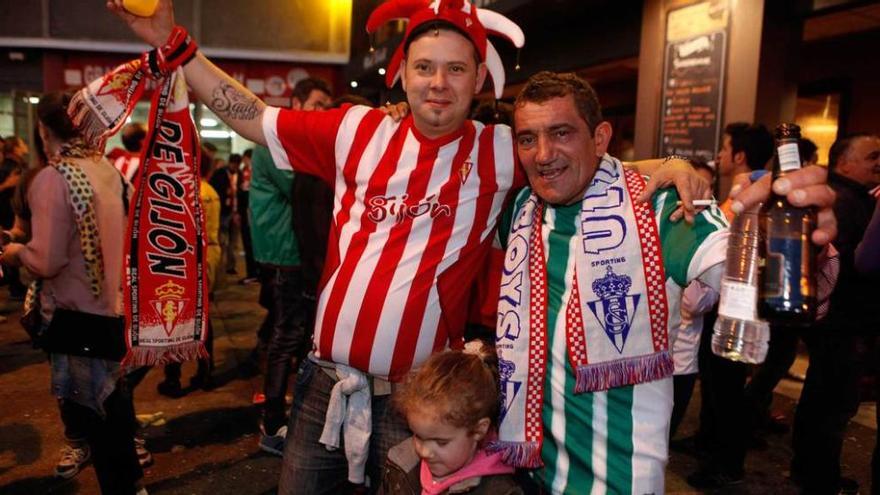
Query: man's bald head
point(857, 157)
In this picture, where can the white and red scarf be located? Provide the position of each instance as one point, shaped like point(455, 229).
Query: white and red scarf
point(165, 294)
point(615, 316)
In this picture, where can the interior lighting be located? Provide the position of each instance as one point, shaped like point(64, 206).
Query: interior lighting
point(381, 71)
point(208, 122)
point(33, 100)
point(215, 134)
point(354, 84)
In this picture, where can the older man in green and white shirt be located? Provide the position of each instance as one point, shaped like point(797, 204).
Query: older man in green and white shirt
point(592, 281)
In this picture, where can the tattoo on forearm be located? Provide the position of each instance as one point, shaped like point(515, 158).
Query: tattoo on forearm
point(228, 101)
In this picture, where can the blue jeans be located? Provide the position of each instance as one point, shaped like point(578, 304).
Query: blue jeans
point(308, 466)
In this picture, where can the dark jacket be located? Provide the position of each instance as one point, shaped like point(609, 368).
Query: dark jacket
point(401, 477)
point(868, 252)
point(221, 181)
point(312, 214)
point(853, 306)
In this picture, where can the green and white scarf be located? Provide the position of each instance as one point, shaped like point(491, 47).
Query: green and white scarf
point(615, 318)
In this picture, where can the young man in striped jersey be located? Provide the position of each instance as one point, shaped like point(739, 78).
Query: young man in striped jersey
point(416, 204)
point(591, 282)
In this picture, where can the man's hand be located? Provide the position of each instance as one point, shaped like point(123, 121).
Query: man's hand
point(397, 111)
point(805, 187)
point(687, 182)
point(155, 29)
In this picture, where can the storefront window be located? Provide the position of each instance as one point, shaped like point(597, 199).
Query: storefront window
point(7, 120)
point(17, 109)
point(211, 129)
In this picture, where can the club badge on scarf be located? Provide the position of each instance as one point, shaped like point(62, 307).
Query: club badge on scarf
point(99, 110)
point(165, 293)
point(166, 299)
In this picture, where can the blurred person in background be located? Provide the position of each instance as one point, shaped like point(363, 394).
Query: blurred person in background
point(224, 181)
point(128, 159)
point(868, 265)
point(21, 225)
point(696, 300)
point(14, 164)
point(722, 434)
point(291, 219)
point(839, 345)
point(244, 186)
point(78, 208)
point(781, 354)
point(808, 152)
point(170, 386)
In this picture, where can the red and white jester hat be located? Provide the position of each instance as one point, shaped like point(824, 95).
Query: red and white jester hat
point(474, 22)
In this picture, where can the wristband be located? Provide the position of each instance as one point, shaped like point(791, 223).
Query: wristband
point(676, 157)
point(178, 49)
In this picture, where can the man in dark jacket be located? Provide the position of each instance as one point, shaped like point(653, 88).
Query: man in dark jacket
point(276, 249)
point(225, 181)
point(839, 344)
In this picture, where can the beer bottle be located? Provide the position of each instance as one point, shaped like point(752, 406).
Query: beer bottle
point(787, 273)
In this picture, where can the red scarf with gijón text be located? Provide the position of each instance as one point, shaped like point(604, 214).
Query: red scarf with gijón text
point(613, 307)
point(167, 298)
point(165, 293)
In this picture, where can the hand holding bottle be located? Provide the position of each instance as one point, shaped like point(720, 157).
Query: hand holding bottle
point(805, 187)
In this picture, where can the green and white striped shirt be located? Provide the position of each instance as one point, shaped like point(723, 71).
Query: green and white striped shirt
point(613, 441)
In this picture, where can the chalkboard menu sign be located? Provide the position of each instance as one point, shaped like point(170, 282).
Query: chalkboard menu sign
point(693, 82)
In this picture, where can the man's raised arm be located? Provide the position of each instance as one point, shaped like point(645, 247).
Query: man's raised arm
point(233, 103)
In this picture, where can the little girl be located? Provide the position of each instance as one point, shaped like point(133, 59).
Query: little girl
point(450, 404)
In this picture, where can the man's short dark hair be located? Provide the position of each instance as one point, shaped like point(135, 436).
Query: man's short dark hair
point(248, 153)
point(806, 149)
point(701, 164)
point(492, 111)
point(546, 85)
point(352, 100)
point(304, 88)
point(234, 158)
point(841, 147)
point(206, 166)
point(752, 139)
point(133, 135)
point(433, 27)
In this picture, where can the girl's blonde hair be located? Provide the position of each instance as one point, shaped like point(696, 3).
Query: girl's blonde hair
point(458, 386)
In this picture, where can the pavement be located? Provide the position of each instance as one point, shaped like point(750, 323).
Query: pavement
point(207, 443)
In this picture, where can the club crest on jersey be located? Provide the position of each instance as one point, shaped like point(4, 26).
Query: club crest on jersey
point(465, 171)
point(614, 309)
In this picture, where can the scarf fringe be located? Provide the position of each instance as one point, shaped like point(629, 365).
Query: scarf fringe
point(87, 121)
point(517, 454)
point(149, 356)
point(628, 371)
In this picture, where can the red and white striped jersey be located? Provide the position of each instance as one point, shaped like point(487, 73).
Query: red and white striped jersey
point(127, 163)
point(412, 222)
